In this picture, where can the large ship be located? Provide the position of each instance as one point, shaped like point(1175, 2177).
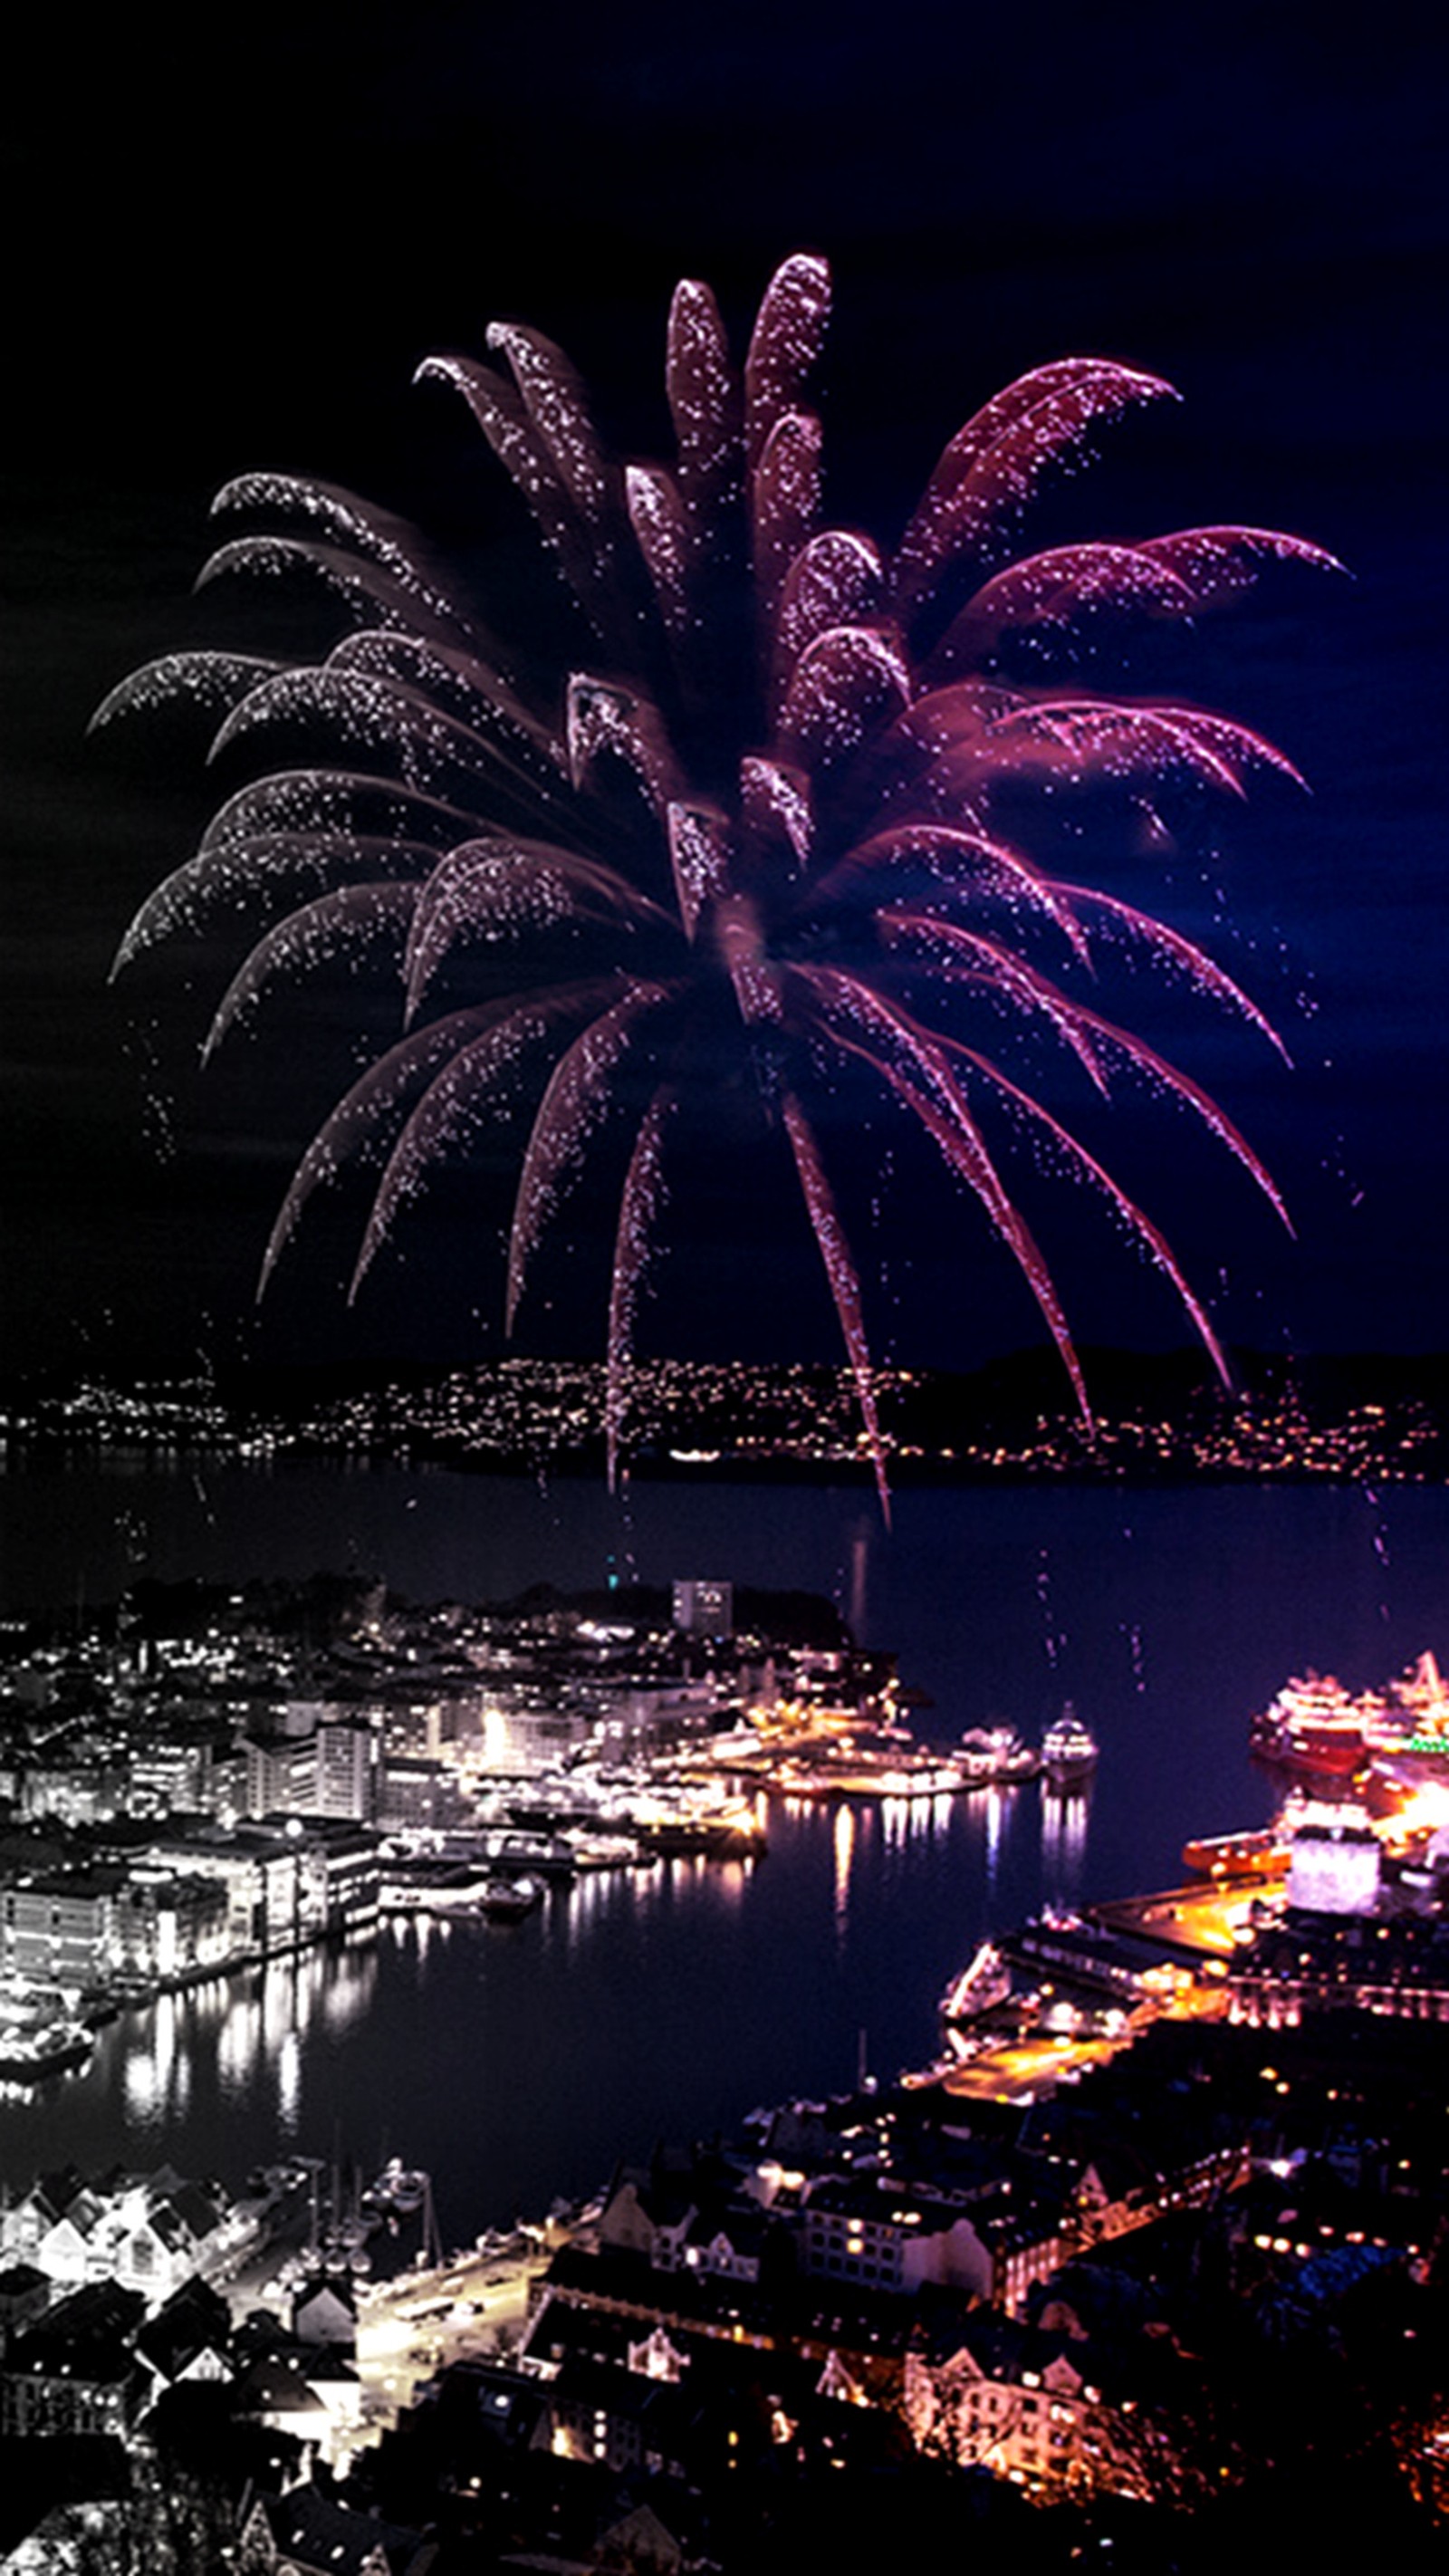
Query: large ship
point(1412, 1716)
point(1316, 1725)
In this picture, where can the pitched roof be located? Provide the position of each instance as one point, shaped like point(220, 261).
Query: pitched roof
point(331, 2539)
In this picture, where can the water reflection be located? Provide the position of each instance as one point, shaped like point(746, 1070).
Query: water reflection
point(898, 1817)
point(289, 2085)
point(858, 1613)
point(997, 1804)
point(1063, 1844)
point(519, 2060)
point(894, 1846)
point(238, 2043)
point(246, 2038)
point(843, 1850)
point(156, 2073)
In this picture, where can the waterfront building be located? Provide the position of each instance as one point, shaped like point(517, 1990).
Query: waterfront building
point(170, 1925)
point(149, 2233)
point(233, 1862)
point(352, 1878)
point(287, 1881)
point(59, 1926)
point(1334, 1866)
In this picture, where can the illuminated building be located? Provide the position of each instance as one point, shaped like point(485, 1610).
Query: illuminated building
point(1334, 1867)
point(704, 1608)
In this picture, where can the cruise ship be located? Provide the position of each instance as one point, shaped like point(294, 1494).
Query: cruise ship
point(1318, 1726)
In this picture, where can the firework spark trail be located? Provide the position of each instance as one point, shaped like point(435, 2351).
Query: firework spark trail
point(765, 808)
point(641, 1207)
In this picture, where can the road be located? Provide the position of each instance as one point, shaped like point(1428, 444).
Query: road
point(409, 2328)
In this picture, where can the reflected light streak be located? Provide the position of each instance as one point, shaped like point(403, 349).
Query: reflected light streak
point(732, 1877)
point(1063, 1841)
point(349, 1989)
point(859, 1579)
point(156, 2073)
point(995, 1811)
point(896, 1821)
point(289, 2083)
point(843, 1845)
point(138, 2083)
point(238, 2042)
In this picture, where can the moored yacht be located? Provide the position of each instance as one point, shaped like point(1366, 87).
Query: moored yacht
point(1068, 1750)
point(991, 1753)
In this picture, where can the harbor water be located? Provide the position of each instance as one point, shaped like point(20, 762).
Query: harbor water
point(518, 2062)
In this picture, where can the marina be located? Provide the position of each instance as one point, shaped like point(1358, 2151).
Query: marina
point(650, 1998)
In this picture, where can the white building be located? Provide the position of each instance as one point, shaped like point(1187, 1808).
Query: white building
point(1334, 1867)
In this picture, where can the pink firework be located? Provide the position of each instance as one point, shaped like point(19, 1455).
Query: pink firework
point(788, 785)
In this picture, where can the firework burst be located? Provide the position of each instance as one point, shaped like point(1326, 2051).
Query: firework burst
point(782, 802)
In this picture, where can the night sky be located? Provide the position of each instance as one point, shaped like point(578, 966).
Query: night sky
point(231, 247)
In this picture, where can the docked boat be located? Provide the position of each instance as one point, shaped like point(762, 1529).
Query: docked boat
point(432, 1887)
point(507, 1900)
point(47, 2048)
point(1317, 1728)
point(510, 1853)
point(41, 2031)
point(1255, 1854)
point(343, 2250)
point(1069, 1751)
point(399, 2189)
point(984, 1981)
point(989, 1754)
point(1313, 1725)
point(1412, 1715)
point(606, 1850)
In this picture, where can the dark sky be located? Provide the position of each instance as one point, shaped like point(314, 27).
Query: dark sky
point(232, 247)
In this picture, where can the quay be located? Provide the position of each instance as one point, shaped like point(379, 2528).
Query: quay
point(1094, 1984)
